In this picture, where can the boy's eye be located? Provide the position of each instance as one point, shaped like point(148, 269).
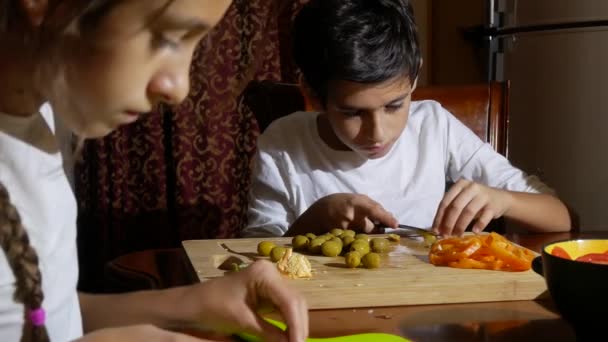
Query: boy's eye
point(352, 114)
point(393, 108)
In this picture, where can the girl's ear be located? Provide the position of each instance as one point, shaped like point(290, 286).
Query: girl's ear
point(35, 11)
point(313, 103)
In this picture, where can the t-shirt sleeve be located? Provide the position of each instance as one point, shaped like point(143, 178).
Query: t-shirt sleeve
point(269, 213)
point(471, 158)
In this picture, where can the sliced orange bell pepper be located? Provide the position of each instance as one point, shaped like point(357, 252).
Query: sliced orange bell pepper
point(492, 252)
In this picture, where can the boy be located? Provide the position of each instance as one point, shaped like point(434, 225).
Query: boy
point(371, 156)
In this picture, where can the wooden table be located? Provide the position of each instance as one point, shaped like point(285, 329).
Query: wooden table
point(494, 321)
point(497, 321)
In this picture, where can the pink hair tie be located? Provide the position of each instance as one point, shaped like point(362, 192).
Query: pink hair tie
point(37, 317)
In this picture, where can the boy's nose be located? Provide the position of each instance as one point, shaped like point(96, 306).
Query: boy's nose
point(375, 131)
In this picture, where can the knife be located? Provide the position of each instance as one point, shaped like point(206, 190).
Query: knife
point(420, 231)
point(417, 230)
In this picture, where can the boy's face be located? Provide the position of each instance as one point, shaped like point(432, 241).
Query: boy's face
point(139, 56)
point(368, 118)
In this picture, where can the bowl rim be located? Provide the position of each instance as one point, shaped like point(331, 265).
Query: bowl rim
point(544, 252)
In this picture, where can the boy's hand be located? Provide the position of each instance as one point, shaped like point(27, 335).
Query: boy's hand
point(467, 201)
point(230, 304)
point(347, 211)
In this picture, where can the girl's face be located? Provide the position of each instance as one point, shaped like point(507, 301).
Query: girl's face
point(139, 55)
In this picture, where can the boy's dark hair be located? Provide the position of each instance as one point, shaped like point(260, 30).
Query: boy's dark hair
point(24, 262)
point(364, 41)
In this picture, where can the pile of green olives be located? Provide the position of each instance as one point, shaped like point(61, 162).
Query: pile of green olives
point(357, 249)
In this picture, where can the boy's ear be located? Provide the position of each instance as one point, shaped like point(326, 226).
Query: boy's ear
point(313, 103)
point(415, 84)
point(35, 11)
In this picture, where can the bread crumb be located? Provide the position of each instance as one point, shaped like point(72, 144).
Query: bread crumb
point(294, 265)
point(384, 316)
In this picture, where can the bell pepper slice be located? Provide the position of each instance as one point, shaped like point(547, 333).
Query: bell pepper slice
point(560, 252)
point(492, 252)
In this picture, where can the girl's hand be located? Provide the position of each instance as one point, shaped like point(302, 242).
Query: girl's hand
point(467, 201)
point(231, 304)
point(136, 333)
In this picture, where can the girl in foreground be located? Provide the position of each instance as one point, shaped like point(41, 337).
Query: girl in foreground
point(88, 67)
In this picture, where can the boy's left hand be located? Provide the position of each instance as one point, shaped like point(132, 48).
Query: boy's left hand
point(467, 201)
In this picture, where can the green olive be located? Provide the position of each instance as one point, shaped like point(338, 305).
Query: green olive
point(331, 248)
point(310, 236)
point(379, 245)
point(347, 240)
point(429, 239)
point(265, 247)
point(300, 242)
point(360, 246)
point(336, 231)
point(362, 236)
point(348, 232)
point(315, 245)
point(277, 253)
point(371, 260)
point(352, 259)
point(394, 237)
point(326, 236)
point(337, 240)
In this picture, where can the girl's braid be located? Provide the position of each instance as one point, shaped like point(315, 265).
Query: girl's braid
point(24, 262)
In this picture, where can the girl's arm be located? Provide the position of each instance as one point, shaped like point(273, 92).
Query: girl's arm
point(223, 305)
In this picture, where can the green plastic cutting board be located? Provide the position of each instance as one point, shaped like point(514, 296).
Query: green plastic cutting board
point(367, 337)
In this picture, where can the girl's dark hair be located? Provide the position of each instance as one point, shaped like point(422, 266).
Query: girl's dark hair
point(23, 260)
point(88, 12)
point(364, 41)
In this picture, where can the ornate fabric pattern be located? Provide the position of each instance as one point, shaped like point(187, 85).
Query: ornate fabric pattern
point(183, 173)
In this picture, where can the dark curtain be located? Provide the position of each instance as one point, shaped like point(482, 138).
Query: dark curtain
point(183, 173)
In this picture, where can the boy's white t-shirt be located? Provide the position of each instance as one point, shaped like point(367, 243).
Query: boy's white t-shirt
point(31, 167)
point(293, 168)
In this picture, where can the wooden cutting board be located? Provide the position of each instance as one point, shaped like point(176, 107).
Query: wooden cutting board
point(405, 277)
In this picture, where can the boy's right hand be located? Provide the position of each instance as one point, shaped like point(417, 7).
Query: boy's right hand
point(343, 210)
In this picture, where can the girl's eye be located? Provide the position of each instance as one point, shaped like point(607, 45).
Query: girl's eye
point(161, 40)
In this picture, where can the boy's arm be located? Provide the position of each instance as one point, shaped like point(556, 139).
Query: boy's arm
point(539, 212)
point(268, 212)
point(469, 202)
point(520, 197)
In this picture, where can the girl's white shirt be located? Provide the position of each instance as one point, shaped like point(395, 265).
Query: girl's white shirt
point(32, 167)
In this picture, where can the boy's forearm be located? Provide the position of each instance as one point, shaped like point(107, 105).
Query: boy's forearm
point(539, 212)
point(301, 226)
point(161, 308)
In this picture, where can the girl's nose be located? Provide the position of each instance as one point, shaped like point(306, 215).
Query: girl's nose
point(171, 88)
